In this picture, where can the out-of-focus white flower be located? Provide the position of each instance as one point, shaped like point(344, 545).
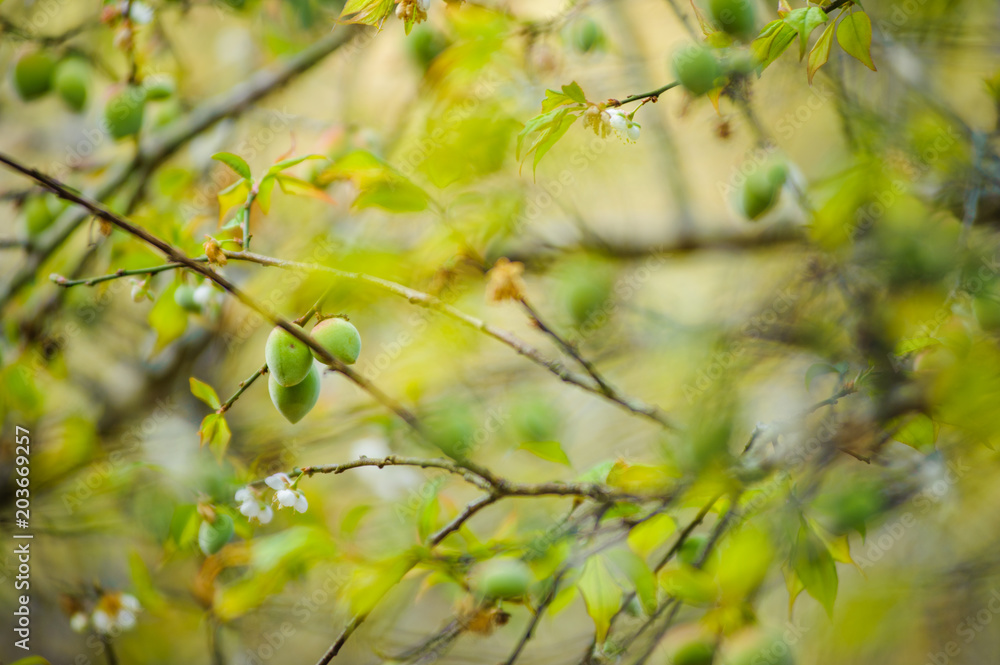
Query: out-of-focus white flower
point(632, 131)
point(424, 5)
point(114, 612)
point(78, 622)
point(252, 507)
point(204, 295)
point(140, 13)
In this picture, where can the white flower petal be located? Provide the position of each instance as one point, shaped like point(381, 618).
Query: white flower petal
point(130, 602)
point(301, 505)
point(101, 621)
point(244, 494)
point(250, 508)
point(78, 622)
point(126, 620)
point(265, 515)
point(278, 481)
point(633, 132)
point(286, 498)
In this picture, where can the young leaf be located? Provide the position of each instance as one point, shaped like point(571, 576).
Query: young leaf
point(367, 12)
point(601, 594)
point(205, 393)
point(772, 42)
point(820, 53)
point(231, 196)
point(815, 567)
point(286, 164)
point(550, 451)
point(855, 36)
point(805, 20)
point(646, 537)
point(264, 190)
point(574, 92)
point(919, 432)
point(215, 434)
point(639, 575)
point(297, 187)
point(235, 162)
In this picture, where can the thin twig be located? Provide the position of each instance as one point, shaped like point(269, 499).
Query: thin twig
point(529, 632)
point(59, 280)
point(652, 95)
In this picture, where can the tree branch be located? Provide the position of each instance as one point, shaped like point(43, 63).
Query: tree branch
point(428, 301)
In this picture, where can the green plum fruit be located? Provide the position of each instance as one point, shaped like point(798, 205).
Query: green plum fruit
point(762, 189)
point(503, 578)
point(697, 68)
point(586, 35)
point(33, 75)
point(294, 402)
point(184, 296)
point(736, 17)
point(72, 82)
point(160, 87)
point(288, 359)
point(340, 338)
point(124, 113)
point(213, 536)
point(425, 44)
point(697, 652)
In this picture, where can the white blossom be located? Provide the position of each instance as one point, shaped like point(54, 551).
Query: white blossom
point(633, 131)
point(285, 493)
point(617, 120)
point(78, 622)
point(252, 507)
point(114, 612)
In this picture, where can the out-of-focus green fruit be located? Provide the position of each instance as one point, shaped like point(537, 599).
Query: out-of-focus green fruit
point(691, 549)
point(72, 82)
point(503, 578)
point(986, 307)
point(160, 87)
point(762, 189)
point(695, 653)
point(288, 359)
point(166, 113)
point(454, 428)
point(586, 35)
point(736, 17)
point(534, 420)
point(294, 402)
point(38, 215)
point(33, 75)
point(425, 43)
point(213, 536)
point(124, 112)
point(340, 338)
point(184, 296)
point(761, 648)
point(697, 68)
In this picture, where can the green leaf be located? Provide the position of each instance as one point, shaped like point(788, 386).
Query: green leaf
point(205, 393)
point(215, 433)
point(167, 318)
point(367, 12)
point(772, 42)
point(550, 451)
point(574, 92)
point(855, 36)
point(815, 568)
point(427, 515)
point(379, 184)
point(235, 194)
point(264, 190)
point(552, 137)
point(651, 534)
point(805, 20)
point(235, 162)
point(237, 220)
point(905, 346)
point(601, 594)
point(297, 187)
point(919, 432)
point(820, 53)
point(284, 164)
point(639, 575)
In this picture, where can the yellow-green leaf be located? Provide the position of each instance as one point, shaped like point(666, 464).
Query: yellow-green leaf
point(231, 196)
point(601, 594)
point(772, 42)
point(820, 53)
point(646, 537)
point(805, 20)
point(167, 318)
point(205, 393)
point(235, 162)
point(367, 12)
point(638, 573)
point(550, 451)
point(264, 190)
point(855, 36)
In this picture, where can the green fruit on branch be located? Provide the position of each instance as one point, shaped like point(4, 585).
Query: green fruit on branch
point(762, 189)
point(124, 112)
point(695, 653)
point(340, 338)
point(72, 82)
point(288, 359)
point(425, 44)
point(213, 536)
point(33, 75)
point(184, 296)
point(160, 87)
point(503, 578)
point(586, 35)
point(697, 68)
point(736, 17)
point(294, 402)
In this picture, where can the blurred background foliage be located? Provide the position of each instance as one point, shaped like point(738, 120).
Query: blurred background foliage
point(829, 373)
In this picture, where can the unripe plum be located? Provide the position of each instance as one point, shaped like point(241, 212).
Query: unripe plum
point(294, 402)
point(288, 359)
